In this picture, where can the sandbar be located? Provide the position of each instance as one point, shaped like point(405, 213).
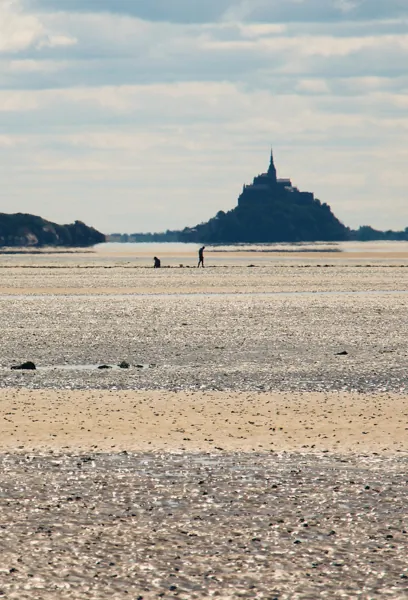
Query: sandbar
point(139, 421)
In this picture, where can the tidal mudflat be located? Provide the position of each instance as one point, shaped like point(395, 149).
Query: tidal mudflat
point(255, 448)
point(220, 342)
point(201, 526)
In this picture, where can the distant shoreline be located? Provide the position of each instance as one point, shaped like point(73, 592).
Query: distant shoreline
point(46, 250)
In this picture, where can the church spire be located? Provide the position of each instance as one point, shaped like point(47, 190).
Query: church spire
point(272, 169)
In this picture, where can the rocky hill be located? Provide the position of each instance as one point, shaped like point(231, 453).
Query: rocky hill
point(271, 210)
point(29, 230)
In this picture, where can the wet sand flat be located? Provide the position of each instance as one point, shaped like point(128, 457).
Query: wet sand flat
point(213, 342)
point(148, 526)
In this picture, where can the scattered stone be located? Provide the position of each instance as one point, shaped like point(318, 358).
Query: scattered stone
point(26, 366)
point(124, 365)
point(343, 353)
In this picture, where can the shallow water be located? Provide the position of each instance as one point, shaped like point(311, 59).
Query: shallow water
point(177, 248)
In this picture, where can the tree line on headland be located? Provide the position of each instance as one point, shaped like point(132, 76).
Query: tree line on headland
point(364, 233)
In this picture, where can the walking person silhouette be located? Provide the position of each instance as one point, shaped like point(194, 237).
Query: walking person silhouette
point(157, 263)
point(201, 257)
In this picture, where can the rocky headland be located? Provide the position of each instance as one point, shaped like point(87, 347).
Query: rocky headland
point(25, 230)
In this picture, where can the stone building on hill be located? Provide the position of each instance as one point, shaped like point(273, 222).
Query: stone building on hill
point(267, 187)
point(270, 210)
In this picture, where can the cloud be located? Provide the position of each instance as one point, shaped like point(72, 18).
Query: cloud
point(54, 41)
point(20, 31)
point(176, 143)
point(198, 11)
point(146, 115)
point(313, 86)
point(100, 50)
point(178, 11)
point(17, 29)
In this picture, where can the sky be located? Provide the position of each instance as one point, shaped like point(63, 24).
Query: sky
point(143, 115)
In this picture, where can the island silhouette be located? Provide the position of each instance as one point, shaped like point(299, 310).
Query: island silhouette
point(269, 210)
point(22, 229)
